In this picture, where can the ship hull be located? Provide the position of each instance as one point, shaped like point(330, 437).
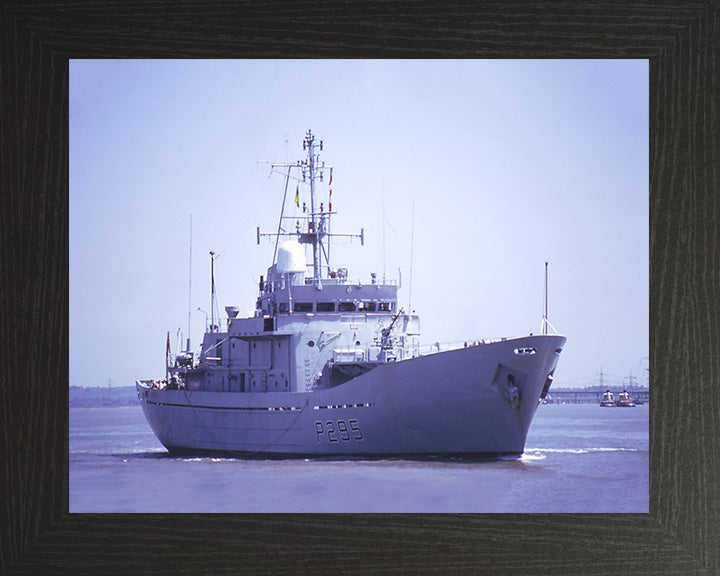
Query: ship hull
point(474, 401)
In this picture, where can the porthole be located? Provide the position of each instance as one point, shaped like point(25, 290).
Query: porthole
point(311, 343)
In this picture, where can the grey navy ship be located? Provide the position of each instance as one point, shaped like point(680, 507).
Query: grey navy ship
point(327, 366)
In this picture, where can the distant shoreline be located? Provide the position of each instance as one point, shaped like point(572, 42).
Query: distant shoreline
point(127, 396)
point(103, 396)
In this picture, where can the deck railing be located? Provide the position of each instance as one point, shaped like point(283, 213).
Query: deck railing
point(436, 347)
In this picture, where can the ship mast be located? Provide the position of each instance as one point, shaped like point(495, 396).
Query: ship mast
point(309, 145)
point(317, 227)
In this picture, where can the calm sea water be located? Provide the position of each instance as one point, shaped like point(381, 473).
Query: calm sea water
point(578, 458)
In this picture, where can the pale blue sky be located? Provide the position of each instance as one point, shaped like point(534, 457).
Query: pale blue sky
point(509, 163)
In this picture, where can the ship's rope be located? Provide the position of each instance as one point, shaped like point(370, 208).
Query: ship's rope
point(281, 434)
point(246, 452)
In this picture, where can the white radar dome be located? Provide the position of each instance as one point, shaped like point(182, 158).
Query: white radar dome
point(291, 257)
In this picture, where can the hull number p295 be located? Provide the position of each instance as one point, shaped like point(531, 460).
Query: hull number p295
point(338, 430)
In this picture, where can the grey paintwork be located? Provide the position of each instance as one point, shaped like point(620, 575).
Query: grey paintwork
point(454, 402)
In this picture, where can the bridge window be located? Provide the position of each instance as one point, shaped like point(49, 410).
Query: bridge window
point(283, 308)
point(385, 307)
point(303, 307)
point(346, 306)
point(326, 306)
point(367, 307)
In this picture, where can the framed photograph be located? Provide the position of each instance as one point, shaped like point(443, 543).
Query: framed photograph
point(379, 297)
point(42, 530)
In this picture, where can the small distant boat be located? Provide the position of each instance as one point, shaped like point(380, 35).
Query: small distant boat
point(608, 399)
point(624, 400)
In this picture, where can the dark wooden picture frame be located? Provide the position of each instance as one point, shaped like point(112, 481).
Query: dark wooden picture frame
point(680, 535)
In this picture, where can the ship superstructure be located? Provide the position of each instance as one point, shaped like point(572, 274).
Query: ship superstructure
point(329, 365)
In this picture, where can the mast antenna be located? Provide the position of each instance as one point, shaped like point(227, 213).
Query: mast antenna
point(383, 227)
point(545, 315)
point(545, 320)
point(213, 298)
point(187, 347)
point(412, 249)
